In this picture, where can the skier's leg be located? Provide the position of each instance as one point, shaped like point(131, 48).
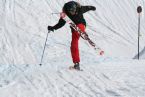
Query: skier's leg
point(75, 44)
point(74, 47)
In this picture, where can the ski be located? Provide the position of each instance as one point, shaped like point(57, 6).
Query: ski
point(72, 68)
point(83, 35)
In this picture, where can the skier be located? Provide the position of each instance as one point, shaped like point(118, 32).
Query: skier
point(75, 12)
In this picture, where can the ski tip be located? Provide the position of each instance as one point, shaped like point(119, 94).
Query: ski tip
point(101, 53)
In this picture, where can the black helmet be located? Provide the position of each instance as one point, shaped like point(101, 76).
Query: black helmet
point(70, 7)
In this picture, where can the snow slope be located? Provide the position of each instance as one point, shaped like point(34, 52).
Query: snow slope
point(113, 26)
point(107, 79)
point(23, 27)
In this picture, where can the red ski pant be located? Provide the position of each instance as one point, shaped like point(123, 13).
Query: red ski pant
point(75, 44)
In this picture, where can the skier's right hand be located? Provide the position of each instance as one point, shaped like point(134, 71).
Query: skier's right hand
point(50, 28)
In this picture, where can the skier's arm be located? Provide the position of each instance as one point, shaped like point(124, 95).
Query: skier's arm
point(60, 24)
point(84, 9)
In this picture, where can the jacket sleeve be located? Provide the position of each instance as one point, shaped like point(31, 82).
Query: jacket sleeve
point(84, 9)
point(60, 24)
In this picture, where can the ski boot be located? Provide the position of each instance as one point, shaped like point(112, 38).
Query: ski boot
point(77, 66)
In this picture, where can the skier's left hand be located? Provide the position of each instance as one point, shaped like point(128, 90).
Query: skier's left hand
point(93, 8)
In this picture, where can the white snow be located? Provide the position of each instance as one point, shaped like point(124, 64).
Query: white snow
point(113, 26)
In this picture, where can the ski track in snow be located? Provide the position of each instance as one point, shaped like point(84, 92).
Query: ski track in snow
point(111, 80)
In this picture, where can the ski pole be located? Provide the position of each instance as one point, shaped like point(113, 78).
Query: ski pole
point(44, 48)
point(139, 10)
point(56, 13)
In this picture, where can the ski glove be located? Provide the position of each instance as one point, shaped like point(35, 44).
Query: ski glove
point(50, 28)
point(93, 8)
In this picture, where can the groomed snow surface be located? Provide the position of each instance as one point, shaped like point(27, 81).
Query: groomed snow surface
point(113, 27)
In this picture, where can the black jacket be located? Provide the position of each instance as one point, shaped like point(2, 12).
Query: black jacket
point(77, 18)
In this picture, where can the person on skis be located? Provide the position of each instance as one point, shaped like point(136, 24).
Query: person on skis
point(75, 12)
